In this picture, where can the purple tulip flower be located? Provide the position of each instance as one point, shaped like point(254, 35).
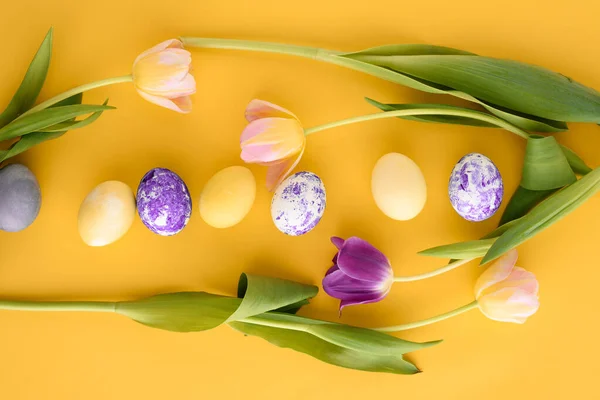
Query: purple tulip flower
point(361, 274)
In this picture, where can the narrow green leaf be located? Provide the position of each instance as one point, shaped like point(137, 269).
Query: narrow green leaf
point(180, 312)
point(577, 164)
point(521, 202)
point(443, 119)
point(26, 142)
point(32, 139)
point(72, 124)
point(45, 118)
point(549, 211)
point(512, 85)
point(461, 250)
point(328, 352)
point(523, 121)
point(261, 294)
point(32, 83)
point(500, 230)
point(545, 166)
point(408, 50)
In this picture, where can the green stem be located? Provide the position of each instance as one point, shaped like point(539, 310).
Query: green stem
point(435, 272)
point(77, 90)
point(313, 53)
point(422, 111)
point(428, 321)
point(94, 306)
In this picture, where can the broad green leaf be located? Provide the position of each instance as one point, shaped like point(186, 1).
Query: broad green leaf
point(545, 166)
point(512, 85)
point(443, 119)
point(261, 294)
point(522, 201)
point(328, 352)
point(549, 211)
point(45, 118)
point(180, 312)
point(350, 337)
point(577, 164)
point(461, 250)
point(32, 83)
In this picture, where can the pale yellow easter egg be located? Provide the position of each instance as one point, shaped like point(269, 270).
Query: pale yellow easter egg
point(227, 197)
point(398, 187)
point(106, 213)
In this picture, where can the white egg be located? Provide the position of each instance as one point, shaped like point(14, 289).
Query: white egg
point(398, 187)
point(298, 204)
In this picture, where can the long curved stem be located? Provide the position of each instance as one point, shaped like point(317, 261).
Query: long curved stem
point(435, 272)
point(77, 90)
point(428, 321)
point(97, 306)
point(422, 111)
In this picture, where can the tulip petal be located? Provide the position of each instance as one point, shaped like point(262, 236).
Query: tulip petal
point(372, 298)
point(360, 260)
point(163, 72)
point(337, 242)
point(258, 109)
point(511, 304)
point(271, 139)
point(496, 272)
point(180, 104)
point(167, 44)
point(341, 286)
point(522, 279)
point(277, 173)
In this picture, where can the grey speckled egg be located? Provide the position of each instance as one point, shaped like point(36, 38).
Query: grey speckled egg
point(298, 204)
point(20, 197)
point(163, 202)
point(475, 189)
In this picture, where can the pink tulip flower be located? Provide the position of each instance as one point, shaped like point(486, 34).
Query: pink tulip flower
point(162, 76)
point(274, 138)
point(507, 293)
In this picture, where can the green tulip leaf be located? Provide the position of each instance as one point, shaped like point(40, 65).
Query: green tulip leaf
point(442, 119)
point(461, 250)
point(32, 139)
point(577, 164)
point(509, 85)
point(259, 313)
point(261, 294)
point(545, 167)
point(72, 124)
point(48, 117)
point(546, 213)
point(522, 201)
point(328, 352)
point(32, 83)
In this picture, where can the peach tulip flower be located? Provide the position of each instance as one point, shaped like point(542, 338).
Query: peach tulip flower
point(274, 138)
point(162, 76)
point(507, 293)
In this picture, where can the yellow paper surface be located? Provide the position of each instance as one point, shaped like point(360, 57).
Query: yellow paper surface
point(97, 356)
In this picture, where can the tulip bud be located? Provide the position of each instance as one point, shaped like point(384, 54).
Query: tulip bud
point(507, 293)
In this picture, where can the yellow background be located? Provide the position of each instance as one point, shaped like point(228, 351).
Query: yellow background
point(102, 356)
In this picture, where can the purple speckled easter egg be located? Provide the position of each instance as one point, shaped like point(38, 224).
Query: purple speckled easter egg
point(163, 202)
point(298, 204)
point(475, 189)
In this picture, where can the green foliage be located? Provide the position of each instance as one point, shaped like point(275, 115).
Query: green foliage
point(545, 166)
point(259, 313)
point(32, 83)
point(546, 213)
point(524, 90)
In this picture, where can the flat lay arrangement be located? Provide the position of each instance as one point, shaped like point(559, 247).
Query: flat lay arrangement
point(274, 177)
